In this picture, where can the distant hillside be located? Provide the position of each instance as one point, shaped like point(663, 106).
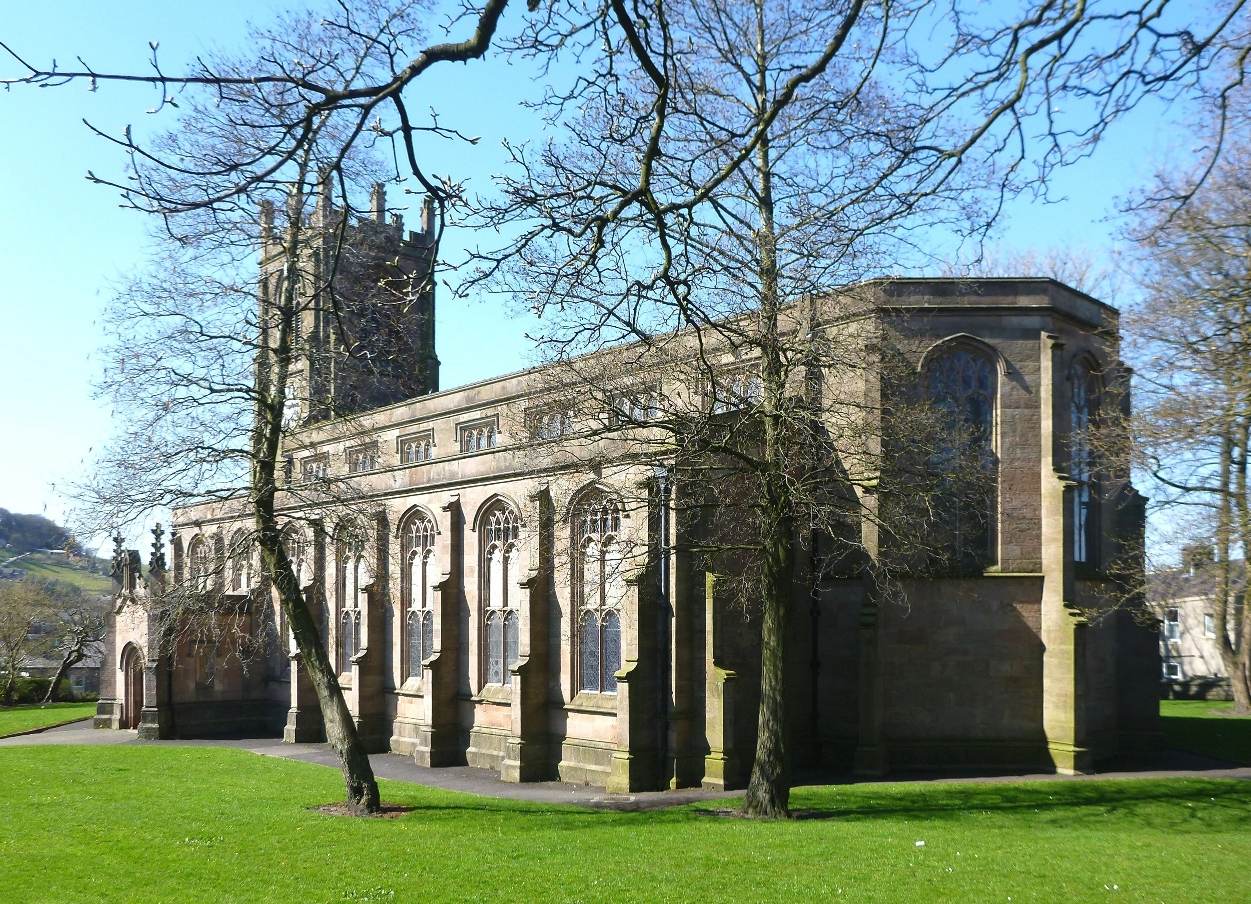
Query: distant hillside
point(24, 533)
point(37, 547)
point(89, 573)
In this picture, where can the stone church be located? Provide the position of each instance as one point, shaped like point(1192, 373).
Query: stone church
point(552, 623)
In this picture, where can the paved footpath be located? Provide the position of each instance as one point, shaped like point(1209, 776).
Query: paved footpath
point(1173, 764)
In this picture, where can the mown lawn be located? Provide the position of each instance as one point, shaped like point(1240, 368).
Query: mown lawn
point(16, 719)
point(139, 824)
point(1200, 727)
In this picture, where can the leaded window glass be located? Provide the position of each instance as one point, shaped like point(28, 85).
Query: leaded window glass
point(600, 589)
point(415, 449)
point(500, 531)
point(495, 648)
point(201, 565)
point(477, 437)
point(962, 384)
point(240, 562)
point(352, 577)
point(420, 577)
point(1084, 399)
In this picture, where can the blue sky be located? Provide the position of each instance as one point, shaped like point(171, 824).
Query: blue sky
point(66, 242)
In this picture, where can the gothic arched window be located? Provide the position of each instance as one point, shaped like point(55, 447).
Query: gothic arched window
point(352, 577)
point(1083, 408)
point(415, 449)
point(420, 576)
point(200, 557)
point(599, 587)
point(240, 562)
point(962, 385)
point(500, 530)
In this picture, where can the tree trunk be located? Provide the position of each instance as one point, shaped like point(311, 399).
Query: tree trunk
point(768, 792)
point(1233, 653)
point(11, 679)
point(68, 661)
point(271, 383)
point(341, 735)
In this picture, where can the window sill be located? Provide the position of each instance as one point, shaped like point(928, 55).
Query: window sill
point(412, 687)
point(495, 693)
point(593, 702)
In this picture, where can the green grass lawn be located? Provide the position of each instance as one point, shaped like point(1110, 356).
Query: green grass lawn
point(15, 719)
point(159, 823)
point(1198, 726)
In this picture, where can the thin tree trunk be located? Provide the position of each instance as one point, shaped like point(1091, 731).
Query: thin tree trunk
point(1233, 652)
point(68, 661)
point(271, 380)
point(1240, 675)
point(341, 735)
point(768, 790)
point(9, 681)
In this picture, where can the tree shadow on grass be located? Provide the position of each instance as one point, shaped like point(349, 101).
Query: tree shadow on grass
point(1156, 803)
point(1225, 738)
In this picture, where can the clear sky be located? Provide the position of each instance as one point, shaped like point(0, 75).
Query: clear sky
point(66, 242)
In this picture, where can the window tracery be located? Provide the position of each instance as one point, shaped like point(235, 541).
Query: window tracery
point(1083, 407)
point(240, 562)
point(352, 579)
point(421, 574)
point(416, 449)
point(478, 436)
point(962, 383)
point(501, 529)
point(599, 591)
point(201, 565)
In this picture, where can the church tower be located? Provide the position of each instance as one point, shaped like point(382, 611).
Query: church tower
point(364, 333)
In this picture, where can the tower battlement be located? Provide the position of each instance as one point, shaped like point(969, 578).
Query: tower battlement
point(364, 330)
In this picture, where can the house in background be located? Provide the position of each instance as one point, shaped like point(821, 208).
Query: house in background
point(1184, 600)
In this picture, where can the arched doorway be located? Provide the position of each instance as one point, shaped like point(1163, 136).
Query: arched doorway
point(132, 686)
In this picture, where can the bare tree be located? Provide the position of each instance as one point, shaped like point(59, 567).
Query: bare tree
point(78, 627)
point(1192, 349)
point(778, 166)
point(697, 157)
point(24, 605)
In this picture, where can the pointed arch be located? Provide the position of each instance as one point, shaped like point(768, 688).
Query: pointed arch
point(966, 341)
point(587, 490)
point(961, 377)
point(498, 525)
point(353, 576)
point(598, 554)
point(489, 505)
point(419, 575)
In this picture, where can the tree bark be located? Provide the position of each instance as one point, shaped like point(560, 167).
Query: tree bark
point(341, 735)
point(271, 380)
point(72, 657)
point(768, 790)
